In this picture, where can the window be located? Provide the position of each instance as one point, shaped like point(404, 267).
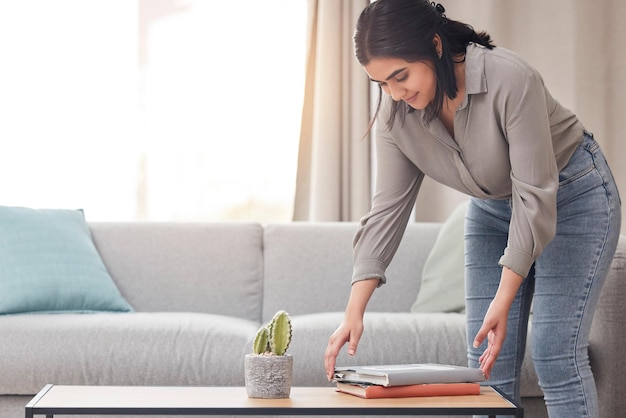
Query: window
point(161, 110)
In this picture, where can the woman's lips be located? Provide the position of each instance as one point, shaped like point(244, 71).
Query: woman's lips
point(411, 99)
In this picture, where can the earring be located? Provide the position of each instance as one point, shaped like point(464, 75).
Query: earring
point(439, 54)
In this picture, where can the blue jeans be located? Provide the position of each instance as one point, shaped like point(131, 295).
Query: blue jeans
point(563, 285)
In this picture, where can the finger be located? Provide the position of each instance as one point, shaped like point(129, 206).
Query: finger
point(330, 369)
point(332, 351)
point(484, 367)
point(486, 372)
point(330, 358)
point(483, 356)
point(480, 336)
point(353, 344)
point(489, 357)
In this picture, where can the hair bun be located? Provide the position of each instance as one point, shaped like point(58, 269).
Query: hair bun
point(441, 10)
point(439, 7)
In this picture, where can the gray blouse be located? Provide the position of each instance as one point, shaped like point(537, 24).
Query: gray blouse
point(511, 139)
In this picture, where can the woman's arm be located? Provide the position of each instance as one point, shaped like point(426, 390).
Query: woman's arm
point(494, 324)
point(397, 183)
point(534, 175)
point(351, 328)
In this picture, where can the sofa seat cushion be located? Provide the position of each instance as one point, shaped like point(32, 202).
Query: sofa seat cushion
point(122, 349)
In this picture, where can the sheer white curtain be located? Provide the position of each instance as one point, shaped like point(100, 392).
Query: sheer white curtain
point(68, 94)
point(152, 110)
point(334, 175)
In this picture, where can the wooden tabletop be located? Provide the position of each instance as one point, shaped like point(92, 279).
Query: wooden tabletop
point(61, 399)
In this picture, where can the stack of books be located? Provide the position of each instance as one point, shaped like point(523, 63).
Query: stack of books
point(408, 380)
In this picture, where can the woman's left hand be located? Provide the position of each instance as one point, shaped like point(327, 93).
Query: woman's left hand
point(494, 329)
point(495, 321)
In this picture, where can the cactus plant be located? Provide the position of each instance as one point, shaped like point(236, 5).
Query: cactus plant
point(275, 337)
point(269, 370)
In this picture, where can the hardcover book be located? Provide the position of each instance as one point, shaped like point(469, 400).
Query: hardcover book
point(407, 374)
point(368, 391)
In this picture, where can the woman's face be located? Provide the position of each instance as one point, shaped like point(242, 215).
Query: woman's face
point(413, 82)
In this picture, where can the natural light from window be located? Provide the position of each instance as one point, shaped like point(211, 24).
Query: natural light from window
point(156, 110)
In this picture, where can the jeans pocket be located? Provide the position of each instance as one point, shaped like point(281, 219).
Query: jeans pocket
point(579, 176)
point(580, 163)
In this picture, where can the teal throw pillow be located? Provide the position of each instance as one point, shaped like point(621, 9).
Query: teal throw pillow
point(443, 276)
point(49, 263)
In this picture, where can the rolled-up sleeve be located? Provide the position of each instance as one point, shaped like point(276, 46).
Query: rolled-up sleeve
point(397, 183)
point(534, 174)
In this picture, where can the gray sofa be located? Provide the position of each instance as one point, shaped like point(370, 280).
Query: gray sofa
point(201, 290)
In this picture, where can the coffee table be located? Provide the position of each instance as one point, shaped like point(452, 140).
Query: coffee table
point(151, 400)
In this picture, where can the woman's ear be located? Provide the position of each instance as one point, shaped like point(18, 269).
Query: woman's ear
point(438, 45)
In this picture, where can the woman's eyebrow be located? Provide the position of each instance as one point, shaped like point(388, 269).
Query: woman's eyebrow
point(395, 73)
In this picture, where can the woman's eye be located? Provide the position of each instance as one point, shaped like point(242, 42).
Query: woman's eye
point(402, 78)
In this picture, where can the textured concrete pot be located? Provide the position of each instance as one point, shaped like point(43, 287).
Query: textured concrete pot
point(268, 377)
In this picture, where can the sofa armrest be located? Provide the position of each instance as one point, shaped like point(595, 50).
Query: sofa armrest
point(608, 338)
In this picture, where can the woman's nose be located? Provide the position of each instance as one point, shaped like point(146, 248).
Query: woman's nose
point(397, 92)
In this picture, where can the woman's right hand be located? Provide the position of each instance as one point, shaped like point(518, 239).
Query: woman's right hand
point(350, 332)
point(351, 328)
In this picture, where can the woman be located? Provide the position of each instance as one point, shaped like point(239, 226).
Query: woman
point(544, 215)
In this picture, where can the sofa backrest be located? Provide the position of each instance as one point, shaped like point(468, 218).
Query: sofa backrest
point(249, 271)
point(308, 268)
point(185, 267)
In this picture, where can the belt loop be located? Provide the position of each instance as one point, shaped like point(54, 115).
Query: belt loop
point(588, 142)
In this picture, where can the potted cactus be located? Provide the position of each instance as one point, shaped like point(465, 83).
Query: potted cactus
point(268, 369)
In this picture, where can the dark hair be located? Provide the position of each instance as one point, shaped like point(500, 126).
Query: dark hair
point(406, 29)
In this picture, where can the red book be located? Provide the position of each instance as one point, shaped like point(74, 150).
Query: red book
point(408, 391)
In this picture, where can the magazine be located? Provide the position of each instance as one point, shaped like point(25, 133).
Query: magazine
point(407, 374)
